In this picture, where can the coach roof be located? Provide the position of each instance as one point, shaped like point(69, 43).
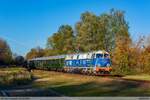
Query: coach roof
point(48, 58)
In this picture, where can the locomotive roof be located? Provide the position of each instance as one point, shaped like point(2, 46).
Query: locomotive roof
point(99, 51)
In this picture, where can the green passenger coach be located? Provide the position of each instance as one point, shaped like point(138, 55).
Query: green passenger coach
point(47, 63)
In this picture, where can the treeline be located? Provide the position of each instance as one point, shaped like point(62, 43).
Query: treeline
point(108, 31)
point(7, 58)
point(91, 32)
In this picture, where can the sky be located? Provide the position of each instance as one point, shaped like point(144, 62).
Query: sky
point(25, 24)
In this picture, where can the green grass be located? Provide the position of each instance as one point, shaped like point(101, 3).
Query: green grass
point(13, 76)
point(80, 85)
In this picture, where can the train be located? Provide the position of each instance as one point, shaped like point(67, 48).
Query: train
point(91, 63)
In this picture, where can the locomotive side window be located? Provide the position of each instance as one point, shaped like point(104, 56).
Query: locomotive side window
point(77, 56)
point(93, 55)
point(89, 55)
point(99, 55)
point(74, 56)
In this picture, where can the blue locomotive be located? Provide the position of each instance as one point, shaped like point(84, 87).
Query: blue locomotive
point(96, 62)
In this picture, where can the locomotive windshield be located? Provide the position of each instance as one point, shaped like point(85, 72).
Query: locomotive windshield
point(99, 55)
point(102, 55)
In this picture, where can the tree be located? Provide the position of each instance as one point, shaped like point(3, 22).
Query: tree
point(50, 52)
point(19, 60)
point(119, 26)
point(146, 56)
point(5, 53)
point(89, 35)
point(100, 32)
point(62, 41)
point(131, 58)
point(35, 52)
point(121, 56)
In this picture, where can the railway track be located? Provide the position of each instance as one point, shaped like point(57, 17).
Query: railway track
point(109, 75)
point(102, 75)
point(97, 75)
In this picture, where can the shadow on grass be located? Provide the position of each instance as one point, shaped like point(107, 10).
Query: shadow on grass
point(114, 88)
point(15, 84)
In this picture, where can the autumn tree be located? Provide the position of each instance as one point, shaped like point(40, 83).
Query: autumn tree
point(131, 57)
point(50, 52)
point(121, 56)
point(5, 53)
point(62, 42)
point(146, 56)
point(35, 52)
point(19, 60)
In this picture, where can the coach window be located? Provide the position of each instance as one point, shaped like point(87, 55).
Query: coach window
point(99, 55)
point(72, 57)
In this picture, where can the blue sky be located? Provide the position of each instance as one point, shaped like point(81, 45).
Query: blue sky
point(28, 23)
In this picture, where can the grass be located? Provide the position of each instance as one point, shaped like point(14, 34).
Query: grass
point(80, 85)
point(13, 76)
point(143, 77)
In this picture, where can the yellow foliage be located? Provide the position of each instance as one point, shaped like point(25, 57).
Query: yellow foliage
point(131, 59)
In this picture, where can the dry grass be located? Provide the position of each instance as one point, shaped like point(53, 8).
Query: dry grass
point(11, 76)
point(143, 77)
point(80, 85)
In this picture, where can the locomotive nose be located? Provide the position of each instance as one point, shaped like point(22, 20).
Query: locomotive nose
point(104, 63)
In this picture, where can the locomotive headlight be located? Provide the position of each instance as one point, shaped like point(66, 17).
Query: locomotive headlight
point(99, 65)
point(108, 65)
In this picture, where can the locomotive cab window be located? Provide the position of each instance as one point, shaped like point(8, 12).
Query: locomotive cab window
point(106, 55)
point(99, 55)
